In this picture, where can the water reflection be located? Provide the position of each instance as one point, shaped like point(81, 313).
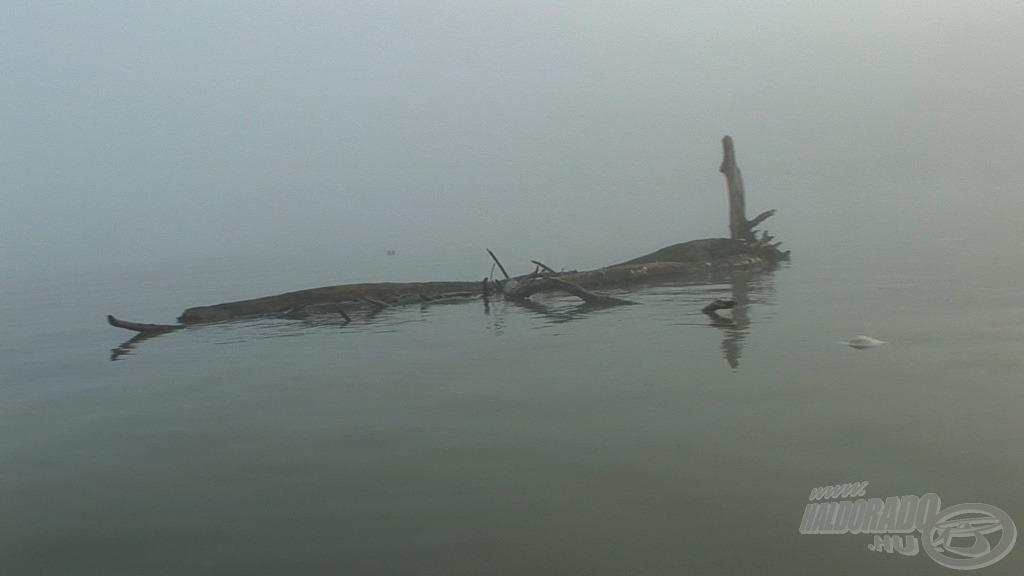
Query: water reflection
point(128, 346)
point(737, 326)
point(559, 315)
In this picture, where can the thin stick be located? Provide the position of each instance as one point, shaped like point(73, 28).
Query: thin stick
point(500, 267)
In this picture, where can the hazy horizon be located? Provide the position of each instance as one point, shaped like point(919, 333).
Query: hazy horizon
point(578, 132)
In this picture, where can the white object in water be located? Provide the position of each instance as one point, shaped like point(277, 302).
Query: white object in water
point(864, 342)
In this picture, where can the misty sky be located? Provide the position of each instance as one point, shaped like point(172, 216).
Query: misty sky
point(578, 132)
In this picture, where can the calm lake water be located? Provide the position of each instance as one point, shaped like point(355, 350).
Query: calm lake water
point(517, 440)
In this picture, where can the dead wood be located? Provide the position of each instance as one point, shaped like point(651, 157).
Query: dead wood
point(586, 295)
point(739, 227)
point(142, 328)
point(698, 259)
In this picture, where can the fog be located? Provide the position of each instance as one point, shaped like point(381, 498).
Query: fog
point(578, 133)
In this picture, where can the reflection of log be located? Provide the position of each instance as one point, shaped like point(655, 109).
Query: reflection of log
point(142, 328)
point(732, 344)
point(717, 305)
point(129, 345)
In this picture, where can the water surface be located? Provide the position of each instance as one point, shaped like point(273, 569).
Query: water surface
point(451, 439)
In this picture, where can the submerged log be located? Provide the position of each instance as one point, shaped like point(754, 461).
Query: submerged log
point(348, 293)
point(586, 295)
point(521, 289)
point(689, 260)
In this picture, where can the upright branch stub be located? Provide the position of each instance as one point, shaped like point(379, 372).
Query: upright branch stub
point(738, 228)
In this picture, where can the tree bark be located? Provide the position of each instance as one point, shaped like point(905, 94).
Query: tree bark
point(738, 229)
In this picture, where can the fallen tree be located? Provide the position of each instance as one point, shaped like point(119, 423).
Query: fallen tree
point(692, 260)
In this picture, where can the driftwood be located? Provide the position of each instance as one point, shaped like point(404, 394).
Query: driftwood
point(695, 260)
point(690, 260)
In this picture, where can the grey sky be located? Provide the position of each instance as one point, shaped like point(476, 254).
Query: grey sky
point(579, 131)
